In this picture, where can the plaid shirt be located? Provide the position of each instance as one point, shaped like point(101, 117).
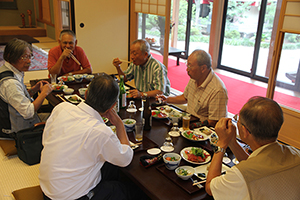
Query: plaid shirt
point(209, 100)
point(151, 76)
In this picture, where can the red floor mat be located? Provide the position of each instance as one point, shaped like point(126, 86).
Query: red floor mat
point(238, 91)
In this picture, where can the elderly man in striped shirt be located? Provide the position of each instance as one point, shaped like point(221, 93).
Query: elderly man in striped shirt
point(150, 75)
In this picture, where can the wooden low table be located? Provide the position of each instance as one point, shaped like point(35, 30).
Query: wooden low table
point(4, 39)
point(172, 52)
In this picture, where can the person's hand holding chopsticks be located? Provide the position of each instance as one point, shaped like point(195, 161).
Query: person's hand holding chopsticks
point(117, 62)
point(66, 53)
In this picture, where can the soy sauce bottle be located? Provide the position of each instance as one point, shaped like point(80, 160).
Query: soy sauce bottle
point(147, 115)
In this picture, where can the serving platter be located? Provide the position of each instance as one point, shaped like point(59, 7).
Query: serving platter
point(158, 114)
point(59, 88)
point(74, 98)
point(66, 79)
point(195, 136)
point(185, 156)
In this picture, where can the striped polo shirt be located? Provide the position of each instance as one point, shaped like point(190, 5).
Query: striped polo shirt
point(151, 76)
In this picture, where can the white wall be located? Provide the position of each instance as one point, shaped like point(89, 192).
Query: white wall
point(38, 74)
point(105, 32)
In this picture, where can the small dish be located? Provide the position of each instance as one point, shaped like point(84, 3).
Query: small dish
point(184, 172)
point(167, 148)
point(78, 77)
point(171, 160)
point(89, 77)
point(174, 133)
point(153, 151)
point(68, 90)
point(74, 98)
point(129, 124)
point(82, 91)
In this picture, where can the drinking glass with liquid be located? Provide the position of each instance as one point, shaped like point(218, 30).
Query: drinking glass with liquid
point(139, 131)
point(186, 121)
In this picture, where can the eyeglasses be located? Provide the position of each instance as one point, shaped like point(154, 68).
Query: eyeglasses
point(187, 65)
point(236, 119)
point(27, 57)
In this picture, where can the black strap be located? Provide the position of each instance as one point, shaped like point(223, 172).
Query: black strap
point(4, 114)
point(6, 74)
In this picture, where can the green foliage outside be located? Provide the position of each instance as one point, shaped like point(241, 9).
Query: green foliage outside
point(235, 14)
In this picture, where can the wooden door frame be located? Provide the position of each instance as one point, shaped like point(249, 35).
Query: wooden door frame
point(58, 18)
point(133, 27)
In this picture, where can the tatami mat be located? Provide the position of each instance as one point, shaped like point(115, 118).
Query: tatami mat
point(15, 175)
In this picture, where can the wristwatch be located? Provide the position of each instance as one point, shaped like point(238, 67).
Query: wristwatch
point(219, 149)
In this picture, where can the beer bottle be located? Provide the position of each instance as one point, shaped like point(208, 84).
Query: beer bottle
point(122, 96)
point(147, 115)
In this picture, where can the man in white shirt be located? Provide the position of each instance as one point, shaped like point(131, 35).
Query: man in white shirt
point(81, 154)
point(270, 172)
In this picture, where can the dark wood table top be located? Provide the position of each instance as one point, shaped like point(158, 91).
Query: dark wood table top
point(4, 39)
point(151, 180)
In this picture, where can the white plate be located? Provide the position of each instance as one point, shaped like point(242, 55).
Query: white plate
point(203, 169)
point(196, 133)
point(64, 79)
point(226, 160)
point(105, 120)
point(205, 130)
point(185, 157)
point(174, 133)
point(61, 87)
point(165, 116)
point(167, 148)
point(235, 161)
point(131, 109)
point(74, 95)
point(154, 151)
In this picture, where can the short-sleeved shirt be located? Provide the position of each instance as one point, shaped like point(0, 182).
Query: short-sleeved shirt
point(69, 65)
point(233, 182)
point(151, 76)
point(76, 145)
point(209, 100)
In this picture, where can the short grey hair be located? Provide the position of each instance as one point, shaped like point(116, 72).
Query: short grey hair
point(102, 93)
point(203, 58)
point(14, 49)
point(144, 45)
point(69, 32)
point(263, 117)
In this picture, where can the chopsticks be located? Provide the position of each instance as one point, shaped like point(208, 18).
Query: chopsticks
point(61, 98)
point(124, 61)
point(200, 182)
point(75, 59)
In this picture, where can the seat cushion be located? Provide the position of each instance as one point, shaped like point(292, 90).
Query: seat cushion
point(29, 193)
point(9, 147)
